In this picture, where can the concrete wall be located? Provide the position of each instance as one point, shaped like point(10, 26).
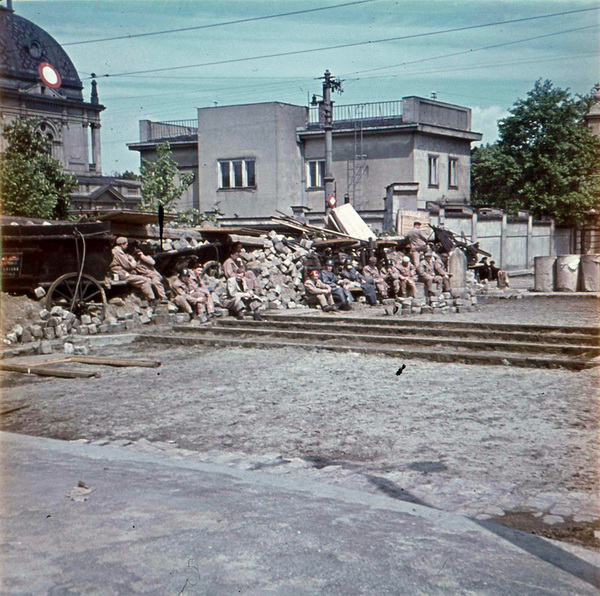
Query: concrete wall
point(265, 133)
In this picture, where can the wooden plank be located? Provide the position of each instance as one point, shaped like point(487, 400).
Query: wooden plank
point(46, 372)
point(113, 361)
point(4, 412)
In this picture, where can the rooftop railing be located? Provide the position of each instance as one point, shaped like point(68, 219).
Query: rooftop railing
point(172, 129)
point(377, 111)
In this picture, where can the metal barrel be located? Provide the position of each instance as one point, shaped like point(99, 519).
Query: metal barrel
point(567, 273)
point(544, 269)
point(590, 273)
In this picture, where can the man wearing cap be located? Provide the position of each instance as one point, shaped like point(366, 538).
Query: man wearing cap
point(371, 271)
point(350, 273)
point(418, 242)
point(239, 298)
point(320, 291)
point(124, 267)
point(183, 294)
point(407, 276)
point(339, 288)
point(199, 289)
point(234, 262)
point(432, 271)
point(145, 267)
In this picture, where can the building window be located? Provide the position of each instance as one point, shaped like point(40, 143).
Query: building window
point(433, 171)
point(452, 172)
point(237, 173)
point(315, 173)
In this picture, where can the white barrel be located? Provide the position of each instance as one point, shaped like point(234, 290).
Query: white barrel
point(590, 273)
point(543, 268)
point(567, 273)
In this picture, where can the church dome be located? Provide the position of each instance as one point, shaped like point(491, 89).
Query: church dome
point(26, 50)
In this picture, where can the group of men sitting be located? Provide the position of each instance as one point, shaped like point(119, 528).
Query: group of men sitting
point(398, 277)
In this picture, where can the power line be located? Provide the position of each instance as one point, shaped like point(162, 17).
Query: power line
point(471, 51)
point(348, 45)
point(236, 22)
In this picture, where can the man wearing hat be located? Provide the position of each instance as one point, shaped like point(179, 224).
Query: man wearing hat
point(339, 288)
point(124, 267)
point(432, 271)
point(407, 276)
point(183, 294)
point(418, 242)
point(371, 271)
point(320, 291)
point(350, 273)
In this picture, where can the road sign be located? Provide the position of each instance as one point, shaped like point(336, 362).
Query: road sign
point(331, 201)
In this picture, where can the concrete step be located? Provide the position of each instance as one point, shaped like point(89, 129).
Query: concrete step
point(381, 326)
point(369, 335)
point(437, 355)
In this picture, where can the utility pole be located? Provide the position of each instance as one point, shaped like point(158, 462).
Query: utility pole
point(326, 121)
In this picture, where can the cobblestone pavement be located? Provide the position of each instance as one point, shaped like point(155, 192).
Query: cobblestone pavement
point(519, 446)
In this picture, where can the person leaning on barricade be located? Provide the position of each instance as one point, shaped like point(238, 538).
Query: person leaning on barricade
point(319, 291)
point(239, 298)
point(339, 288)
point(123, 266)
point(418, 242)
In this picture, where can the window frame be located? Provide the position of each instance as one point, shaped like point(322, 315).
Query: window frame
point(433, 171)
point(453, 172)
point(319, 165)
point(246, 175)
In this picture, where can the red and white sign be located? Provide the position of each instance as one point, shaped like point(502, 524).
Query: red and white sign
point(331, 201)
point(49, 75)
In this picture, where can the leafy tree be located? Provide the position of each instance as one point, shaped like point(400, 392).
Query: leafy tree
point(126, 175)
point(159, 181)
point(32, 183)
point(545, 160)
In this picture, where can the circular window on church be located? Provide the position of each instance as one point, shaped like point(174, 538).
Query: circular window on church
point(35, 49)
point(49, 75)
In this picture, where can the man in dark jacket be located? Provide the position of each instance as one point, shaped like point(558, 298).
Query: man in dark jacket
point(339, 291)
point(350, 273)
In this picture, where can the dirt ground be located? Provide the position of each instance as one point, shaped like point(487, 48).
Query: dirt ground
point(517, 445)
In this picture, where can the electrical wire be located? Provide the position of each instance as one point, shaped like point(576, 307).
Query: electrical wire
point(343, 46)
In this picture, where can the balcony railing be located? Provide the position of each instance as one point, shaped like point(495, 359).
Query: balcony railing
point(172, 129)
point(377, 112)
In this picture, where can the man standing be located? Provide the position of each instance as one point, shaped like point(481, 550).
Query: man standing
point(320, 291)
point(339, 289)
point(418, 242)
point(432, 271)
point(124, 267)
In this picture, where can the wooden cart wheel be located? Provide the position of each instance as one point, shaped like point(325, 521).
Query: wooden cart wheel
point(87, 299)
point(213, 269)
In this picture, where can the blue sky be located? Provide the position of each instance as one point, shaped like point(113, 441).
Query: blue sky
point(487, 79)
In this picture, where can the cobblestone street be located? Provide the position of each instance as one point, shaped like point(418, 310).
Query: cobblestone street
point(493, 442)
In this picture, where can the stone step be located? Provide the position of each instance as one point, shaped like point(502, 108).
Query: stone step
point(260, 329)
point(392, 321)
point(456, 355)
point(381, 327)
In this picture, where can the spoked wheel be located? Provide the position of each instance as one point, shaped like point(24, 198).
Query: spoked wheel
point(213, 269)
point(87, 298)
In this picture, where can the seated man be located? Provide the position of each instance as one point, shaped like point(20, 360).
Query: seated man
point(320, 291)
point(145, 267)
point(234, 262)
point(183, 294)
point(432, 271)
point(350, 273)
point(380, 280)
point(239, 298)
point(123, 266)
point(339, 288)
point(199, 289)
point(407, 276)
point(483, 270)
